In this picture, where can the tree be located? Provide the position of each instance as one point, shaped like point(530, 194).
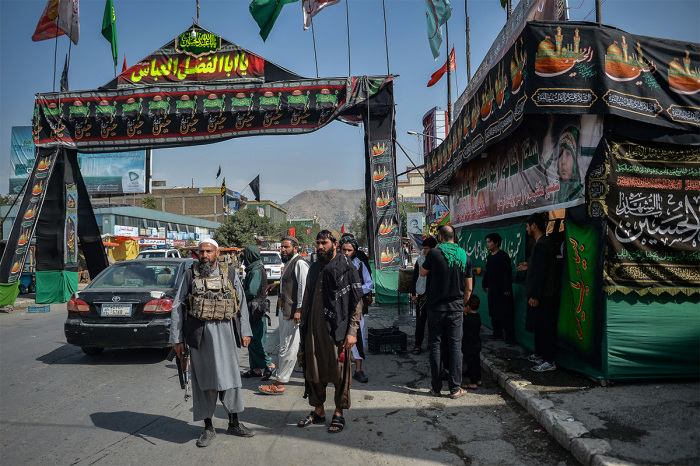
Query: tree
point(7, 200)
point(307, 239)
point(240, 230)
point(149, 202)
point(358, 225)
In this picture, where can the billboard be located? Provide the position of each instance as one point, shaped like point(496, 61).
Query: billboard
point(109, 173)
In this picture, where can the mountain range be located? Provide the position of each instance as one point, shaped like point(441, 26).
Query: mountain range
point(333, 207)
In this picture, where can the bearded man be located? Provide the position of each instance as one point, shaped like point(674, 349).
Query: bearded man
point(330, 316)
point(291, 294)
point(212, 318)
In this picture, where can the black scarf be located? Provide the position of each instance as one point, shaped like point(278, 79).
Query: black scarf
point(341, 291)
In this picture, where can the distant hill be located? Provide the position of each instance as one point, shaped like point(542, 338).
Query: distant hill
point(333, 207)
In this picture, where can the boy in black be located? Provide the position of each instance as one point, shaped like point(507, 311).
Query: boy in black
point(471, 343)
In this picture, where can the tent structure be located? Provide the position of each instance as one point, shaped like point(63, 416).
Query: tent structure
point(197, 89)
point(600, 128)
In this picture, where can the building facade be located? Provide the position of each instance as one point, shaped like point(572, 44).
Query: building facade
point(268, 209)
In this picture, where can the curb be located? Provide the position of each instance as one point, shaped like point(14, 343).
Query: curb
point(572, 435)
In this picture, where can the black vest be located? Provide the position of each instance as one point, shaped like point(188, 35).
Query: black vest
point(289, 288)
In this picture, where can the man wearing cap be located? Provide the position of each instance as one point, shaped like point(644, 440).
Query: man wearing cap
point(291, 293)
point(212, 318)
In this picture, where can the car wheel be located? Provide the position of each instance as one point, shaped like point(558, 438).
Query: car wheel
point(92, 350)
point(32, 289)
point(22, 289)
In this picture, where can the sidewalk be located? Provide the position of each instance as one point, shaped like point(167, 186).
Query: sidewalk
point(656, 422)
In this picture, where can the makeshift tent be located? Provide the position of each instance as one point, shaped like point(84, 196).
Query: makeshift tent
point(603, 124)
point(197, 89)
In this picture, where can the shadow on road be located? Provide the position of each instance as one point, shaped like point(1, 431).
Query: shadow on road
point(69, 354)
point(147, 426)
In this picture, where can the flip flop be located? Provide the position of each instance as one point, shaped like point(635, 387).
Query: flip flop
point(338, 422)
point(312, 418)
point(458, 394)
point(467, 386)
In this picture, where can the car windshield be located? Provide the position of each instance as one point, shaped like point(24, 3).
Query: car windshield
point(151, 254)
point(271, 259)
point(128, 274)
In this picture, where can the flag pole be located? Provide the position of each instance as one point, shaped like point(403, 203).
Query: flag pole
point(386, 40)
point(449, 78)
point(347, 20)
point(469, 47)
point(313, 36)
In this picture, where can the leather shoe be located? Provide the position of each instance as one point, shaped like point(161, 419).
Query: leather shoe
point(205, 439)
point(239, 430)
point(360, 377)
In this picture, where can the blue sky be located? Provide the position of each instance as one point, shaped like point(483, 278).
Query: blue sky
point(329, 158)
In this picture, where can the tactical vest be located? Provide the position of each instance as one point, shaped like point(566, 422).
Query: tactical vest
point(213, 298)
point(289, 289)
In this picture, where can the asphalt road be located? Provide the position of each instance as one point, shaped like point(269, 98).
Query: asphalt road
point(60, 406)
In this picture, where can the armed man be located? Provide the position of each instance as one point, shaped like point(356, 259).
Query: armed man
point(212, 319)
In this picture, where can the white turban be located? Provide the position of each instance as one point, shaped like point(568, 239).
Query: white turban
point(210, 241)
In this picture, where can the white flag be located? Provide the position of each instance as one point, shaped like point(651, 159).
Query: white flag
point(69, 19)
point(312, 7)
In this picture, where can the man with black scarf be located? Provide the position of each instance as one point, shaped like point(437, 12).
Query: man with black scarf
point(330, 316)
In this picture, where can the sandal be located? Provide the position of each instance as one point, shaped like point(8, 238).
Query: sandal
point(469, 386)
point(417, 350)
point(312, 418)
point(271, 389)
point(457, 394)
point(267, 373)
point(337, 424)
point(250, 374)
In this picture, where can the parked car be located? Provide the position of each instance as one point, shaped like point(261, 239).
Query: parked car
point(272, 261)
point(128, 305)
point(158, 253)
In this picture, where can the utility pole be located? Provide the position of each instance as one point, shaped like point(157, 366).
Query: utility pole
point(449, 78)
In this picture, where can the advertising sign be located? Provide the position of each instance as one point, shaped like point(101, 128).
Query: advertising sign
point(152, 241)
point(414, 221)
point(21, 157)
point(109, 173)
point(542, 164)
point(126, 231)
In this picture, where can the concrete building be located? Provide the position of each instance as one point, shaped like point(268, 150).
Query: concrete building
point(203, 203)
point(411, 189)
point(269, 209)
point(120, 220)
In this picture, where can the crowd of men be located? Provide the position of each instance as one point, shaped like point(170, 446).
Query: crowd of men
point(321, 310)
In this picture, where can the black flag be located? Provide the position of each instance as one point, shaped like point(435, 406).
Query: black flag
point(218, 173)
point(255, 187)
point(64, 77)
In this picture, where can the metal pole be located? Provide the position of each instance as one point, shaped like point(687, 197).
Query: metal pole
point(469, 52)
point(509, 11)
point(598, 12)
point(449, 78)
point(197, 12)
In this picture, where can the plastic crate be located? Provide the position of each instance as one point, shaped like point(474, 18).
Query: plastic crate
point(386, 340)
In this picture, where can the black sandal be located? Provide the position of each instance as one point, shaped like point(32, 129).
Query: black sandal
point(267, 373)
point(312, 418)
point(337, 422)
point(250, 374)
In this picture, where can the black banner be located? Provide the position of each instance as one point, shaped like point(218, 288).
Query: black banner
point(653, 207)
point(573, 68)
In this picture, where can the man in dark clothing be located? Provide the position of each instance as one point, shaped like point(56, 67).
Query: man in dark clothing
point(498, 280)
point(541, 291)
point(449, 289)
point(419, 293)
point(330, 316)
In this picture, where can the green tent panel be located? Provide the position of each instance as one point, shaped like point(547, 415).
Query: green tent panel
point(55, 286)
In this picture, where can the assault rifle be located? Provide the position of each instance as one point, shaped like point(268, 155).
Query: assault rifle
point(183, 370)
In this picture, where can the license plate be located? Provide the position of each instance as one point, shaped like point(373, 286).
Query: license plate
point(115, 310)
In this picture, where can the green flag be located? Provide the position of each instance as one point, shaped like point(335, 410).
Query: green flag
point(265, 13)
point(109, 28)
point(437, 12)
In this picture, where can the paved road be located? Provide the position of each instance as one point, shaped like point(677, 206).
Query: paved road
point(59, 406)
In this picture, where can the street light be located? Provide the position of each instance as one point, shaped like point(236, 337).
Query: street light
point(413, 133)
